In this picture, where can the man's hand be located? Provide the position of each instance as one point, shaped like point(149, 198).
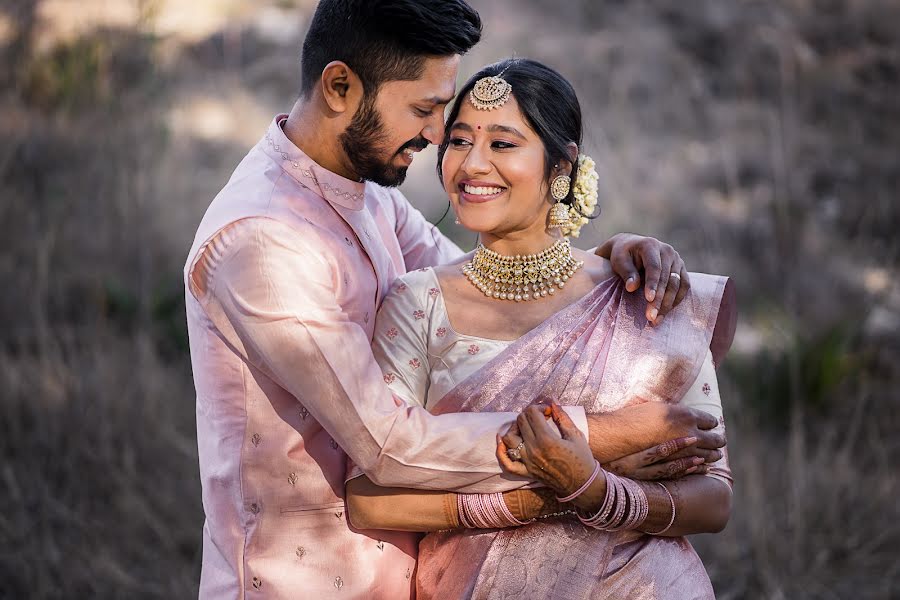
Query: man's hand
point(669, 460)
point(617, 434)
point(666, 281)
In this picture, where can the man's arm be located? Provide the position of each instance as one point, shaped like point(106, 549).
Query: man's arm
point(269, 290)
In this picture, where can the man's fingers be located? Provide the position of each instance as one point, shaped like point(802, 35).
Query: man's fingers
point(652, 261)
point(710, 440)
point(623, 264)
point(667, 449)
point(672, 289)
point(704, 419)
point(683, 288)
point(708, 455)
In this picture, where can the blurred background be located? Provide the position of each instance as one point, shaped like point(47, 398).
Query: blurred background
point(760, 137)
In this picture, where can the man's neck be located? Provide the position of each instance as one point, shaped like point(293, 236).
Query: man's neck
point(308, 128)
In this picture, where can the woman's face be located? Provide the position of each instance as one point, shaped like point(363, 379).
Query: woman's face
point(494, 171)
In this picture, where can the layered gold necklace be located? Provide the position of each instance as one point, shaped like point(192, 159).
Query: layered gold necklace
point(522, 277)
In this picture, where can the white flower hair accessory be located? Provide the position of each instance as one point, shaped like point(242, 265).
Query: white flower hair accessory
point(584, 194)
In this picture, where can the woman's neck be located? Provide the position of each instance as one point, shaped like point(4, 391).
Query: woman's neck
point(520, 242)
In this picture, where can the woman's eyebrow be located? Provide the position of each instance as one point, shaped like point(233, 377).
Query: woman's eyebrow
point(491, 128)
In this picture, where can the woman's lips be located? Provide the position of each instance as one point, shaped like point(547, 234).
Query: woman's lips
point(480, 193)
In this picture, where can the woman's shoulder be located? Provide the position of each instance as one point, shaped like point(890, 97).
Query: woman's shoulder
point(414, 283)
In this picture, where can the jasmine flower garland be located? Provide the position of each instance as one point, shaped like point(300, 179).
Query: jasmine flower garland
point(585, 195)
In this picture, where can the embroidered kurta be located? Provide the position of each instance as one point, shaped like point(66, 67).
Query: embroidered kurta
point(287, 270)
point(598, 352)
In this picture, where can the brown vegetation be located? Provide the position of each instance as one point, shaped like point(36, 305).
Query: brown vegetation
point(759, 137)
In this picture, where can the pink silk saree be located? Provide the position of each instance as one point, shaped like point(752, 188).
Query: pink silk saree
point(600, 353)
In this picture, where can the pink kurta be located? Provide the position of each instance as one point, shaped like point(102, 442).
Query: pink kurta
point(287, 270)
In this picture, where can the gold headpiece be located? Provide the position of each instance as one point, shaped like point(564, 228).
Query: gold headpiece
point(490, 92)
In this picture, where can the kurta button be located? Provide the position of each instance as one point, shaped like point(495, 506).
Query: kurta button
point(338, 582)
point(256, 439)
point(257, 583)
point(254, 508)
point(349, 243)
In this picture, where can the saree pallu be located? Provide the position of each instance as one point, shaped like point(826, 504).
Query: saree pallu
point(600, 353)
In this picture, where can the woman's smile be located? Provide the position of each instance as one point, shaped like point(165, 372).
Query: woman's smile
point(476, 192)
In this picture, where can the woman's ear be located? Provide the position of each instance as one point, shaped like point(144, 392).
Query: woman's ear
point(566, 167)
point(341, 88)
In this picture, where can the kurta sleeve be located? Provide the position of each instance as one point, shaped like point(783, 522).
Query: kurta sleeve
point(422, 243)
point(704, 395)
point(269, 291)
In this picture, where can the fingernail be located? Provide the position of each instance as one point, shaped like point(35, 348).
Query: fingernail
point(690, 470)
point(653, 313)
point(698, 460)
point(629, 281)
point(651, 294)
point(691, 440)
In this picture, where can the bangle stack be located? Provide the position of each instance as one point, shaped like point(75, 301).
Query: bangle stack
point(625, 506)
point(485, 511)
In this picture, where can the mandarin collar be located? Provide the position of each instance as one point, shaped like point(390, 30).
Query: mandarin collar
point(330, 186)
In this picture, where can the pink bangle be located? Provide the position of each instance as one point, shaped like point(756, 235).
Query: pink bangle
point(672, 520)
point(586, 485)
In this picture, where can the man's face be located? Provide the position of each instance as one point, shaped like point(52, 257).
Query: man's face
point(403, 118)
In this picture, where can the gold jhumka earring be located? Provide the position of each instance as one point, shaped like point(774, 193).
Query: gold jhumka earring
point(559, 191)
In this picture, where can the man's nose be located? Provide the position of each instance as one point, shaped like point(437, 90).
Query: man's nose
point(434, 131)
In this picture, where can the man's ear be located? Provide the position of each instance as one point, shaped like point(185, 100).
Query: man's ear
point(341, 88)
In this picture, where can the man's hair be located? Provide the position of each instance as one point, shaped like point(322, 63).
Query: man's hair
point(385, 40)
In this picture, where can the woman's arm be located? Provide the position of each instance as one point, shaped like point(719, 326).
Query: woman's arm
point(370, 506)
point(702, 503)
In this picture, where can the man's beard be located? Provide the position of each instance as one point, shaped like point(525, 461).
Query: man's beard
point(363, 142)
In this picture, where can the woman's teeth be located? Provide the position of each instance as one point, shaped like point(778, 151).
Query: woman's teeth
point(481, 191)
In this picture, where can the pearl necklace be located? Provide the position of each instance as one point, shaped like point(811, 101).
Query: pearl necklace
point(522, 277)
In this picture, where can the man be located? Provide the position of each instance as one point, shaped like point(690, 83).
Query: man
point(283, 280)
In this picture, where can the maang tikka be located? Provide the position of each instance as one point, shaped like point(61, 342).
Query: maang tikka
point(559, 191)
point(491, 92)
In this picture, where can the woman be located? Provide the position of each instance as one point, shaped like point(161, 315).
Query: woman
point(526, 318)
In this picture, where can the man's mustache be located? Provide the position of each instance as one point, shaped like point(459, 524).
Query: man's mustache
point(416, 144)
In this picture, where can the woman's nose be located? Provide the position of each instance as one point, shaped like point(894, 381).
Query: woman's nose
point(476, 162)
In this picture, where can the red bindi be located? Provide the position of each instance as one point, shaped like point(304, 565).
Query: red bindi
point(479, 126)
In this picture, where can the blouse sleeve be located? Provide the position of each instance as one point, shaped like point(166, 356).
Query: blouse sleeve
point(400, 341)
point(704, 395)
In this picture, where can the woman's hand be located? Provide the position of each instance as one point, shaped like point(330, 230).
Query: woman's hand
point(666, 280)
point(562, 463)
point(670, 460)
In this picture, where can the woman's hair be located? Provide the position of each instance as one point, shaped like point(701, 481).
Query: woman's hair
point(385, 40)
point(547, 102)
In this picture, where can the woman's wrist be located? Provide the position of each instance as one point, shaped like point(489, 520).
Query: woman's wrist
point(527, 504)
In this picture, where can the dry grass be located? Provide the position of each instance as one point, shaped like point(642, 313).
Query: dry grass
point(759, 137)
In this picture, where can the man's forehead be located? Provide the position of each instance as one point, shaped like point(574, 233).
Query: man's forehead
point(437, 85)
